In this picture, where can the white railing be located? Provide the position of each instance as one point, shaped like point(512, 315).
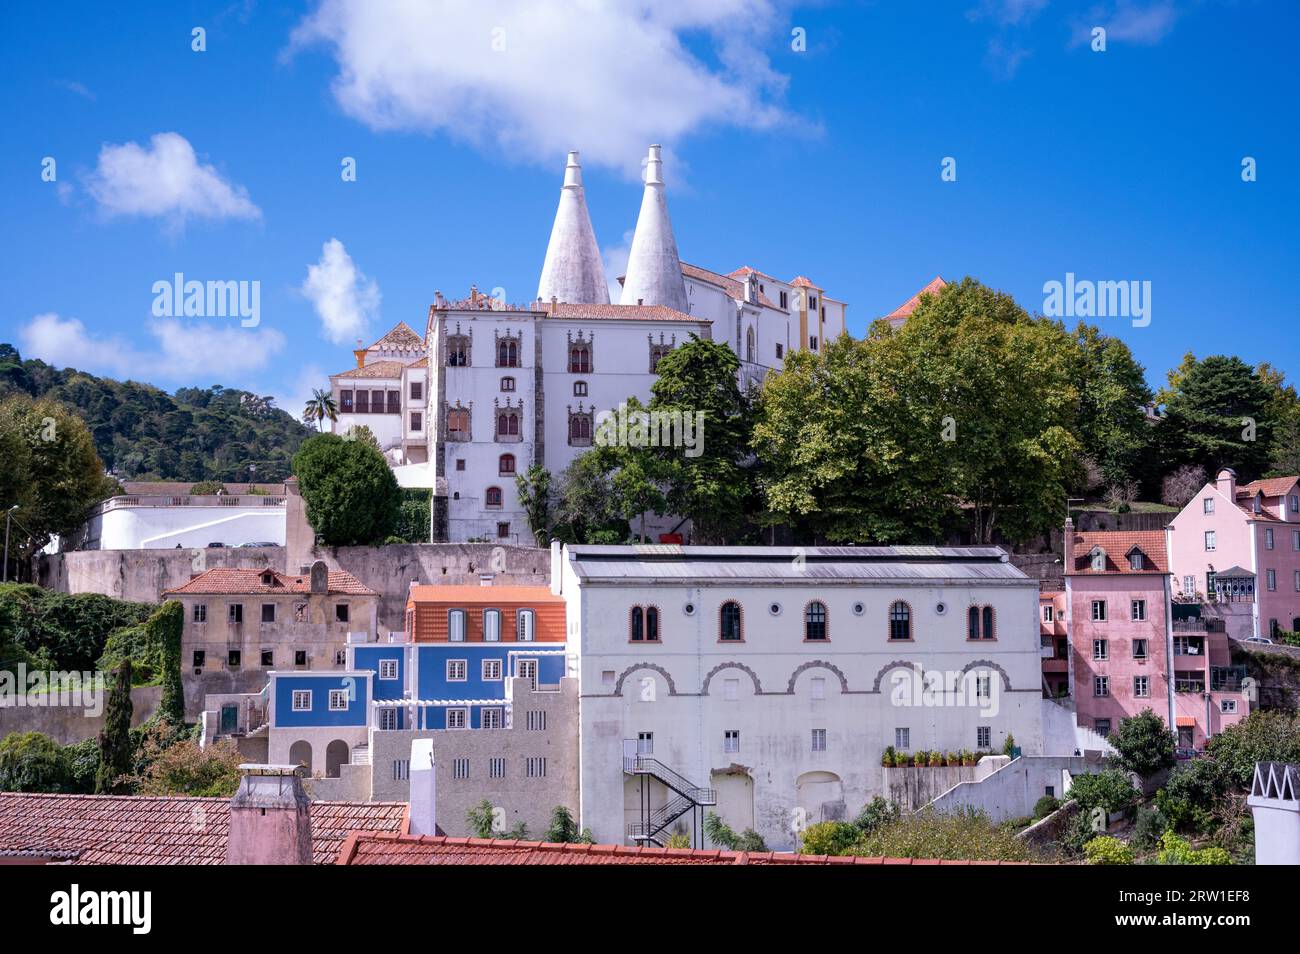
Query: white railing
point(190, 500)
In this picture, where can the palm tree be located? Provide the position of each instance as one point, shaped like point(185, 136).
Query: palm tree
point(319, 407)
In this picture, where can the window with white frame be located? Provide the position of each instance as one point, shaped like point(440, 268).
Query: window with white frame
point(1189, 585)
point(1049, 613)
point(983, 736)
point(301, 700)
point(1228, 705)
point(457, 670)
point(491, 625)
point(456, 625)
point(460, 768)
point(819, 740)
point(457, 718)
point(1138, 608)
point(1099, 611)
point(1100, 649)
point(496, 768)
point(1268, 538)
point(1207, 505)
point(903, 738)
point(983, 686)
point(492, 719)
point(1139, 648)
point(1209, 539)
point(1270, 580)
point(388, 669)
point(525, 625)
point(731, 740)
point(1141, 686)
point(730, 689)
point(338, 700)
point(645, 743)
point(388, 718)
point(491, 670)
point(1101, 686)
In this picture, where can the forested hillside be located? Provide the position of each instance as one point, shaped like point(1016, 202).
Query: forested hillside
point(141, 432)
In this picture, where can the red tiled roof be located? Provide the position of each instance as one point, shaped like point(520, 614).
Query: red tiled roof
point(368, 848)
point(800, 282)
point(476, 595)
point(1271, 486)
point(1118, 544)
point(376, 369)
point(628, 312)
point(906, 308)
point(173, 830)
point(401, 337)
point(229, 581)
point(733, 288)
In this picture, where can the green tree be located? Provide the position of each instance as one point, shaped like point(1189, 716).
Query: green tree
point(1263, 736)
point(534, 488)
point(564, 828)
point(587, 507)
point(1192, 794)
point(1109, 790)
point(721, 834)
point(165, 629)
point(185, 768)
point(1218, 414)
point(1112, 390)
point(351, 494)
point(320, 408)
point(1145, 744)
point(115, 749)
point(362, 433)
point(480, 819)
point(32, 762)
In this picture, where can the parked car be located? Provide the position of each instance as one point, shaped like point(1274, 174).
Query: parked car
point(212, 546)
point(1258, 639)
point(262, 544)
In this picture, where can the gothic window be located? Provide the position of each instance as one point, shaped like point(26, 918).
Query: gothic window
point(458, 424)
point(660, 348)
point(508, 351)
point(458, 351)
point(749, 345)
point(580, 427)
point(580, 354)
point(508, 424)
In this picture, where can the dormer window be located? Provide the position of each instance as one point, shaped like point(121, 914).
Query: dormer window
point(268, 578)
point(1136, 560)
point(1258, 505)
point(1098, 559)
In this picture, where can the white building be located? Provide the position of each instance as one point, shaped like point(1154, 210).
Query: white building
point(152, 516)
point(510, 386)
point(777, 677)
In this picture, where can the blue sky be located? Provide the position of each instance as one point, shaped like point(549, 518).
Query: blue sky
point(1115, 165)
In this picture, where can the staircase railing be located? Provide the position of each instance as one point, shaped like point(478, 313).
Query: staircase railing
point(644, 765)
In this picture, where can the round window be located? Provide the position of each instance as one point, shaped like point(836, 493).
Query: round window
point(689, 609)
point(774, 609)
point(941, 608)
point(858, 609)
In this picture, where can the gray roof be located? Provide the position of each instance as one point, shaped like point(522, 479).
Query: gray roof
point(790, 565)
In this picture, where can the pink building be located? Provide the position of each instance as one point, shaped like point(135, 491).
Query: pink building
point(1236, 551)
point(1132, 649)
point(1054, 637)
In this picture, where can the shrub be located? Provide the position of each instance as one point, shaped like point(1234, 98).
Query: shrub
point(887, 757)
point(1105, 850)
point(1263, 736)
point(1145, 744)
point(1190, 796)
point(413, 516)
point(32, 762)
point(722, 835)
point(187, 769)
point(879, 811)
point(207, 488)
point(564, 827)
point(1009, 746)
point(828, 838)
point(66, 632)
point(1109, 790)
point(349, 490)
point(1045, 806)
point(929, 834)
point(1176, 851)
point(1151, 824)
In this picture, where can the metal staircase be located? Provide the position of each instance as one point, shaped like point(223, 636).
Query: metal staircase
point(686, 797)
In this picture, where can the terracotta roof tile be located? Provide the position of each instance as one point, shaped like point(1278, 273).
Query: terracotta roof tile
point(230, 581)
point(402, 337)
point(368, 848)
point(1118, 544)
point(376, 369)
point(133, 829)
point(1271, 486)
point(486, 595)
point(731, 286)
point(937, 284)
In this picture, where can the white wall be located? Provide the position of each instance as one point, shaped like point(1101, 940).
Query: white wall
point(147, 528)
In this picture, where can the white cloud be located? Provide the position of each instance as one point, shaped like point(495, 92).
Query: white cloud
point(614, 258)
point(533, 78)
point(182, 352)
point(1129, 22)
point(343, 298)
point(165, 180)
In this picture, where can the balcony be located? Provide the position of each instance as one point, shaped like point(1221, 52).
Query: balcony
point(1199, 626)
point(189, 500)
point(1227, 678)
point(1189, 682)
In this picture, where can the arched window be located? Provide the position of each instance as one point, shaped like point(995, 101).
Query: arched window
point(900, 621)
point(652, 624)
point(638, 624)
point(580, 427)
point(579, 358)
point(493, 497)
point(729, 629)
point(814, 621)
point(988, 622)
point(508, 353)
point(457, 351)
point(973, 623)
point(525, 625)
point(491, 625)
point(507, 424)
point(506, 464)
point(749, 345)
point(456, 625)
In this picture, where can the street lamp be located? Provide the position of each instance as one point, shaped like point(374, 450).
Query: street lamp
point(8, 515)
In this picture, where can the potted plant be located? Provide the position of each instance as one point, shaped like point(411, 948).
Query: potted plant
point(887, 757)
point(968, 757)
point(922, 758)
point(901, 760)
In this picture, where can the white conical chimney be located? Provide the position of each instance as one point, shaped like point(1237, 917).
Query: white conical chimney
point(572, 271)
point(654, 272)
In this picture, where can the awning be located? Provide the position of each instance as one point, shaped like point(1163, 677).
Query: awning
point(1185, 721)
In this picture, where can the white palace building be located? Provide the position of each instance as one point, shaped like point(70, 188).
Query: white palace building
point(493, 388)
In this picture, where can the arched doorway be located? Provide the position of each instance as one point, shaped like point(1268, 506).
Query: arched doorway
point(821, 796)
point(336, 754)
point(300, 754)
point(735, 788)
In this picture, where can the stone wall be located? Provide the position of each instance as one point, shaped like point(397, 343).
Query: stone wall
point(914, 788)
point(143, 575)
point(69, 724)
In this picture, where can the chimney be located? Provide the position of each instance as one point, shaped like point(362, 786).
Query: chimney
point(320, 578)
point(270, 818)
point(360, 354)
point(654, 270)
point(557, 564)
point(423, 800)
point(1226, 483)
point(572, 271)
point(485, 579)
point(554, 302)
point(1275, 804)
